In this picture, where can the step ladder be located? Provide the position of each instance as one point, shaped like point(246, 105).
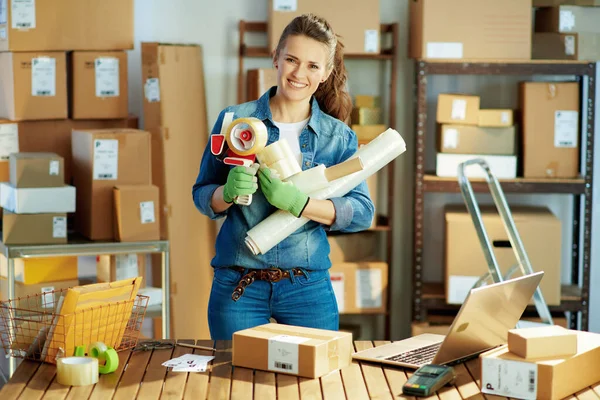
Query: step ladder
point(523, 262)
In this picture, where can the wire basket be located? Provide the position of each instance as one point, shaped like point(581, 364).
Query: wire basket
point(32, 327)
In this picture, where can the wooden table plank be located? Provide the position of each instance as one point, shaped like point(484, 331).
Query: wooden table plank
point(175, 381)
point(154, 378)
point(373, 375)
point(39, 383)
point(133, 374)
point(596, 389)
point(242, 384)
point(197, 383)
point(354, 382)
point(220, 379)
point(18, 382)
point(56, 391)
point(264, 385)
point(310, 389)
point(586, 394)
point(465, 384)
point(474, 368)
point(333, 386)
point(287, 387)
point(107, 384)
point(396, 377)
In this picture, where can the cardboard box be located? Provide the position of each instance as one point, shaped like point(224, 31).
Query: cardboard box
point(111, 268)
point(420, 328)
point(567, 19)
point(99, 87)
point(34, 86)
point(356, 22)
point(293, 350)
point(470, 29)
point(495, 118)
point(37, 200)
point(258, 81)
point(366, 133)
point(550, 129)
point(102, 159)
point(542, 342)
point(31, 271)
point(67, 25)
point(368, 101)
point(36, 170)
point(136, 213)
point(360, 287)
point(352, 246)
point(34, 228)
point(26, 292)
point(503, 167)
point(366, 116)
point(469, 139)
point(552, 379)
point(566, 46)
point(457, 109)
point(540, 232)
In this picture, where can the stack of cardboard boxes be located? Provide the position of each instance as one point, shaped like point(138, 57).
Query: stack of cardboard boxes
point(367, 118)
point(466, 132)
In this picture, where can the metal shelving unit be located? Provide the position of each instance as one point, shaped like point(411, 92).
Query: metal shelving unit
point(390, 54)
point(575, 297)
point(82, 247)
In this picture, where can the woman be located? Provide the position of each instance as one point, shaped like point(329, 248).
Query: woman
point(289, 283)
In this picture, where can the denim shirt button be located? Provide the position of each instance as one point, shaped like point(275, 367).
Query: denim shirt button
point(307, 163)
point(304, 146)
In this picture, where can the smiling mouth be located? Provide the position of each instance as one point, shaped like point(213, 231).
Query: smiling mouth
point(297, 84)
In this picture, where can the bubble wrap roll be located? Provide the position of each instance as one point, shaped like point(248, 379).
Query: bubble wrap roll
point(279, 225)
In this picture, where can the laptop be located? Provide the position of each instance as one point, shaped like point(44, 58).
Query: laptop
point(482, 323)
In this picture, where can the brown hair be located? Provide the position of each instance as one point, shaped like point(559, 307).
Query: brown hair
point(332, 95)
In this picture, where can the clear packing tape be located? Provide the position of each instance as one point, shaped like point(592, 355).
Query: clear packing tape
point(279, 225)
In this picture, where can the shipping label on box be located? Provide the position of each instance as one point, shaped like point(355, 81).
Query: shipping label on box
point(457, 109)
point(9, 140)
point(509, 378)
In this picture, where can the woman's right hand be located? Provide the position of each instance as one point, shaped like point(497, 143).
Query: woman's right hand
point(240, 181)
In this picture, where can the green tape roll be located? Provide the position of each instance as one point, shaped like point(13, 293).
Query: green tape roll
point(112, 361)
point(79, 351)
point(97, 349)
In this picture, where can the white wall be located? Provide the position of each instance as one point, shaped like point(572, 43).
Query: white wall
point(213, 25)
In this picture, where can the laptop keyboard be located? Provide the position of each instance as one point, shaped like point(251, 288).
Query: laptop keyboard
point(420, 356)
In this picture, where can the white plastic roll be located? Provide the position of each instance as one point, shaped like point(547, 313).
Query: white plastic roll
point(279, 225)
point(77, 371)
point(272, 153)
point(310, 180)
point(286, 168)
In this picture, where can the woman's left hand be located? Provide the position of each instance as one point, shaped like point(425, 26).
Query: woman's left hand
point(283, 195)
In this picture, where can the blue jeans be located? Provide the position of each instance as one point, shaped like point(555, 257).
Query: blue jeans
point(306, 300)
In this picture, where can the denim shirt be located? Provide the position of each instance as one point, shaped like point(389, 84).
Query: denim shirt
point(325, 140)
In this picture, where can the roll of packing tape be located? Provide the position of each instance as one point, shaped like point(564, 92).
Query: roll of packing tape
point(286, 168)
point(96, 349)
point(247, 136)
point(77, 371)
point(111, 361)
point(272, 153)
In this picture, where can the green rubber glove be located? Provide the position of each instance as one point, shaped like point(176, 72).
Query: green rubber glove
point(283, 195)
point(240, 181)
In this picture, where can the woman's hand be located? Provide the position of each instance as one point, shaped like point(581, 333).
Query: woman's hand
point(283, 195)
point(240, 181)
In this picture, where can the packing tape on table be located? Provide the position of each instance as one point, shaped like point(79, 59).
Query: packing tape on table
point(245, 131)
point(77, 371)
point(279, 225)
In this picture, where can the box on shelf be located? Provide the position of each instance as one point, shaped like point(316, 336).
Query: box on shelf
point(102, 159)
point(67, 25)
point(360, 287)
point(549, 341)
point(36, 170)
point(366, 116)
point(552, 379)
point(357, 246)
point(99, 87)
point(34, 228)
point(37, 200)
point(503, 167)
point(368, 101)
point(567, 19)
point(293, 350)
point(550, 129)
point(111, 268)
point(457, 109)
point(470, 29)
point(34, 86)
point(495, 118)
point(31, 271)
point(540, 232)
point(136, 213)
point(258, 81)
point(470, 139)
point(355, 21)
point(566, 46)
point(366, 133)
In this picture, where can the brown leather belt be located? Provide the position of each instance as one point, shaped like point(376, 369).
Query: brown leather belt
point(269, 275)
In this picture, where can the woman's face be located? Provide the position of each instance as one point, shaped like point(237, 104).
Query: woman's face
point(301, 67)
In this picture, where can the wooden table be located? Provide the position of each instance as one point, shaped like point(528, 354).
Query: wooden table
point(141, 375)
